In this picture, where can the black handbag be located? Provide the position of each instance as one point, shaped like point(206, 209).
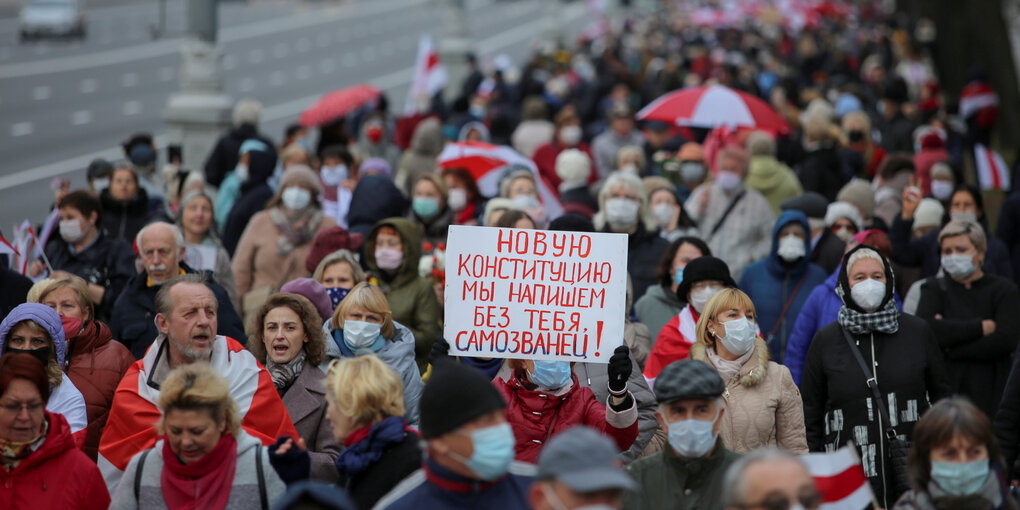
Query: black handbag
point(897, 450)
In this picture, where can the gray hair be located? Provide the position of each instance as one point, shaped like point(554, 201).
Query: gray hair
point(968, 228)
point(247, 111)
point(863, 253)
point(760, 143)
point(336, 257)
point(635, 188)
point(165, 305)
point(735, 483)
point(174, 229)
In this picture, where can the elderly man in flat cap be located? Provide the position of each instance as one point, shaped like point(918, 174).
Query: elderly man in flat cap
point(689, 473)
point(579, 468)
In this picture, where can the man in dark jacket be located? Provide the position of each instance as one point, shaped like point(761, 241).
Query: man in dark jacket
point(161, 246)
point(779, 284)
point(826, 249)
point(469, 462)
point(224, 156)
point(897, 130)
point(579, 468)
point(83, 248)
point(255, 193)
point(125, 205)
point(689, 471)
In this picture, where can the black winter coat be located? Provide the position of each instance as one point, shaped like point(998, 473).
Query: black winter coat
point(828, 252)
point(397, 462)
point(1008, 231)
point(15, 289)
point(375, 198)
point(838, 405)
point(821, 171)
point(924, 251)
point(108, 262)
point(132, 320)
point(255, 193)
point(644, 249)
point(224, 156)
point(1007, 420)
point(977, 364)
point(124, 218)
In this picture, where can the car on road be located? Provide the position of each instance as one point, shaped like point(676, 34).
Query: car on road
point(61, 18)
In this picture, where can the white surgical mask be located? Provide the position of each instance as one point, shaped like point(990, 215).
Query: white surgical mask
point(570, 135)
point(728, 181)
point(701, 296)
point(333, 175)
point(692, 171)
point(296, 198)
point(791, 248)
point(360, 335)
point(457, 199)
point(958, 265)
point(941, 190)
point(739, 336)
point(629, 168)
point(71, 231)
point(844, 234)
point(622, 212)
point(970, 216)
point(868, 294)
point(664, 213)
point(241, 172)
point(524, 202)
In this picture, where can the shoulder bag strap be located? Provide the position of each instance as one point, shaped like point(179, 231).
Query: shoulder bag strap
point(138, 473)
point(262, 478)
point(876, 394)
point(726, 213)
point(786, 306)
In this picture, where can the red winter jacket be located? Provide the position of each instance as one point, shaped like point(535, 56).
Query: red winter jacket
point(57, 475)
point(532, 414)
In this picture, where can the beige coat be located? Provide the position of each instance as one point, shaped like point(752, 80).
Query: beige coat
point(256, 262)
point(763, 405)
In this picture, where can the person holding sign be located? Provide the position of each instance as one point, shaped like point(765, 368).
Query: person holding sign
point(363, 324)
point(544, 397)
point(763, 406)
point(703, 278)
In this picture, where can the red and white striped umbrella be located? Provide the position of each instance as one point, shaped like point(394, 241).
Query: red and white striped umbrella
point(712, 106)
point(487, 163)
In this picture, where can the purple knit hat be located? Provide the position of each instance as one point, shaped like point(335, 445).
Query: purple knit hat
point(45, 317)
point(315, 293)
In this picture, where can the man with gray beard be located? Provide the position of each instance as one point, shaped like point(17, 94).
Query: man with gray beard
point(161, 249)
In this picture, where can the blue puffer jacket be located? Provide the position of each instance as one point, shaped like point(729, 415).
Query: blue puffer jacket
point(771, 282)
point(820, 310)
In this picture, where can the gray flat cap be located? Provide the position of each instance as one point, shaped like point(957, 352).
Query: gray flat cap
point(688, 379)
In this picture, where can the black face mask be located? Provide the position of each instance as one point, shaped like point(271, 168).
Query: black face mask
point(855, 136)
point(42, 354)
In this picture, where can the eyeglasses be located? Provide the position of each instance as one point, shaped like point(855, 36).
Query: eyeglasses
point(16, 407)
point(809, 501)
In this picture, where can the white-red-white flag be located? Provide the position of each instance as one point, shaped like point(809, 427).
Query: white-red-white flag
point(24, 242)
point(839, 477)
point(49, 226)
point(429, 78)
point(991, 168)
point(7, 249)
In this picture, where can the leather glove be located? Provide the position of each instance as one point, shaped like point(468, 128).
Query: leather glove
point(440, 351)
point(620, 368)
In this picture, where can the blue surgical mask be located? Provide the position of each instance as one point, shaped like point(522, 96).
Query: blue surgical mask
point(692, 438)
point(493, 451)
point(363, 337)
point(551, 374)
point(960, 478)
point(425, 207)
point(739, 336)
point(336, 295)
point(678, 278)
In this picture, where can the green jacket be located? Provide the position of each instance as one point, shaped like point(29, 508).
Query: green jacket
point(412, 300)
point(667, 481)
point(773, 179)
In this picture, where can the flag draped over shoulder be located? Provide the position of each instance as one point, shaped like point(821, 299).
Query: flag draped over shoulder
point(840, 479)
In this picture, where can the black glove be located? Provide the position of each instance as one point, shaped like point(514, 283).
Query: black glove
point(293, 466)
point(440, 351)
point(619, 370)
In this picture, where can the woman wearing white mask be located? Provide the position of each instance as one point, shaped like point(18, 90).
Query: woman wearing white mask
point(463, 196)
point(900, 357)
point(763, 406)
point(973, 315)
point(623, 209)
point(568, 135)
point(521, 187)
point(843, 219)
point(363, 324)
point(703, 278)
point(274, 245)
point(667, 209)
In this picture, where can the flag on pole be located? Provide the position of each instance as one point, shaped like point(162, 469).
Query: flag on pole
point(429, 78)
point(839, 477)
point(24, 241)
point(7, 249)
point(48, 227)
point(991, 169)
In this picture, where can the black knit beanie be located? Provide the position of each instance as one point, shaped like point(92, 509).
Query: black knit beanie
point(454, 395)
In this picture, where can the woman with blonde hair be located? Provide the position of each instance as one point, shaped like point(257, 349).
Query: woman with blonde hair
point(204, 459)
point(339, 272)
point(286, 336)
point(94, 361)
point(763, 406)
point(363, 324)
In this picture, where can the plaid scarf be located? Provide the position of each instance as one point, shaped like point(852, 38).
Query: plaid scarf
point(885, 320)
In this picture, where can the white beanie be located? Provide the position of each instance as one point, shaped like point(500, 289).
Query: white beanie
point(928, 214)
point(837, 210)
point(573, 165)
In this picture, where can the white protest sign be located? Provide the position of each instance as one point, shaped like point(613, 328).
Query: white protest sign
point(535, 294)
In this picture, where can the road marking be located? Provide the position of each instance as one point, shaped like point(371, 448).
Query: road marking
point(255, 56)
point(129, 79)
point(280, 111)
point(21, 129)
point(41, 93)
point(131, 108)
point(167, 73)
point(88, 86)
point(280, 50)
point(81, 118)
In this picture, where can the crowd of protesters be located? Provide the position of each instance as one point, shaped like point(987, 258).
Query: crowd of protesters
point(267, 330)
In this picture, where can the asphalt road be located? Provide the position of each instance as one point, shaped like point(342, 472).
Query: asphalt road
point(63, 103)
